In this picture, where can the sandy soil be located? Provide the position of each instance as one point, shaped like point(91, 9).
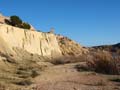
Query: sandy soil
point(66, 77)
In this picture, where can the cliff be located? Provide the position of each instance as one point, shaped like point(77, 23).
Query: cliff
point(69, 47)
point(44, 44)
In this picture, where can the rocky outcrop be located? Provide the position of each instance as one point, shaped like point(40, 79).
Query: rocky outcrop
point(3, 18)
point(69, 47)
point(44, 44)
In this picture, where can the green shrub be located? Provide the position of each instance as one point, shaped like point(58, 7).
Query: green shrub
point(26, 25)
point(16, 21)
point(115, 79)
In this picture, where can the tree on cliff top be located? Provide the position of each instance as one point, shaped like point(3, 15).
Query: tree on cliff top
point(26, 25)
point(16, 21)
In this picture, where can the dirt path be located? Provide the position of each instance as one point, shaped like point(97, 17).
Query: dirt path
point(65, 77)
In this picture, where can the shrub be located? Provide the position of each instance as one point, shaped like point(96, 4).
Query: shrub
point(80, 68)
point(16, 21)
point(24, 82)
point(58, 61)
point(26, 25)
point(69, 59)
point(103, 62)
point(115, 79)
point(34, 74)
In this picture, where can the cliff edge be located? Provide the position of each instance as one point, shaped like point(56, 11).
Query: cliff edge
point(44, 44)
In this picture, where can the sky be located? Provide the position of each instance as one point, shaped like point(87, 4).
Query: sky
point(89, 22)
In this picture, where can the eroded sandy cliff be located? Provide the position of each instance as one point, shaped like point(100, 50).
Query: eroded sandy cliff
point(44, 44)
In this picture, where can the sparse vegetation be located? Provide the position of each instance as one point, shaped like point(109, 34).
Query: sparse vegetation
point(68, 59)
point(80, 68)
point(24, 82)
point(103, 62)
point(21, 72)
point(110, 48)
point(17, 22)
point(34, 74)
point(27, 72)
point(25, 25)
point(115, 79)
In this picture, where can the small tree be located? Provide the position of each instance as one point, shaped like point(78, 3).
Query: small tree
point(26, 25)
point(16, 21)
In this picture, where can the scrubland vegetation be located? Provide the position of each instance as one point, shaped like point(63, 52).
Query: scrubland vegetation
point(17, 22)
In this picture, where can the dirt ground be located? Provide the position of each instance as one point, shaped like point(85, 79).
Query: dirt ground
point(66, 77)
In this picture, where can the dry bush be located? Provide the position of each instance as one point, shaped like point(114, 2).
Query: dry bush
point(81, 68)
point(103, 62)
point(68, 59)
point(115, 80)
point(26, 71)
point(25, 82)
point(34, 73)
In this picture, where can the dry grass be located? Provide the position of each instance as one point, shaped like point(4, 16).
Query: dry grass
point(98, 61)
point(103, 62)
point(24, 82)
point(19, 71)
point(68, 59)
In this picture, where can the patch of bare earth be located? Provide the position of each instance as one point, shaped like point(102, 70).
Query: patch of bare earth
point(66, 77)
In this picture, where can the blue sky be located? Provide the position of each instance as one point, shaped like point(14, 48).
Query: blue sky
point(89, 22)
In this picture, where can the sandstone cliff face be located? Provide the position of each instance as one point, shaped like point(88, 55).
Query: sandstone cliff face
point(44, 44)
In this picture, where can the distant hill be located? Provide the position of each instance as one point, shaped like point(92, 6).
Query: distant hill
point(111, 48)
